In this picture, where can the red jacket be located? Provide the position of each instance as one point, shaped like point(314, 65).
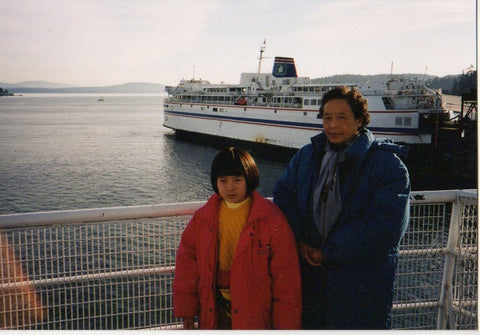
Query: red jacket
point(265, 276)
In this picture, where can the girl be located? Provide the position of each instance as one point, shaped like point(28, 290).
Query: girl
point(237, 265)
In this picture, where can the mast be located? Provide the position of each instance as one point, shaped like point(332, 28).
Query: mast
point(262, 49)
point(425, 74)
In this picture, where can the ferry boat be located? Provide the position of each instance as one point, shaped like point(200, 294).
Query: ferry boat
point(282, 109)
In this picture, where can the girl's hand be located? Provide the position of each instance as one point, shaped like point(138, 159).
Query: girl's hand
point(189, 323)
point(311, 255)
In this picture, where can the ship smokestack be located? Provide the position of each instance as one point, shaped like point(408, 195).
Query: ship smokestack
point(284, 67)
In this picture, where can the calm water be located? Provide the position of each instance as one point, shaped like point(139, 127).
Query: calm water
point(60, 151)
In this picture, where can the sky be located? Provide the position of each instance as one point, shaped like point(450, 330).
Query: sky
point(109, 42)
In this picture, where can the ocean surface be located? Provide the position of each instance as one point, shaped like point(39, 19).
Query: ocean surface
point(71, 151)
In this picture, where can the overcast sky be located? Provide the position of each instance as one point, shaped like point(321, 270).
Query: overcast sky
point(108, 42)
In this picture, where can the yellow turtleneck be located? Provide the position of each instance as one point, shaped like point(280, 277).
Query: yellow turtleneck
point(233, 218)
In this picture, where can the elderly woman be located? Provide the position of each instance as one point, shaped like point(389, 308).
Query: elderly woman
point(346, 197)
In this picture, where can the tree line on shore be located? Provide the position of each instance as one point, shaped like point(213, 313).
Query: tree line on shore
point(4, 92)
point(456, 85)
point(451, 84)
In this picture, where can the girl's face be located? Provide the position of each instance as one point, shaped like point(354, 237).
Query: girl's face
point(339, 122)
point(232, 188)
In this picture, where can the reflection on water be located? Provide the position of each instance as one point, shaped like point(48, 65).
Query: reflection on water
point(70, 151)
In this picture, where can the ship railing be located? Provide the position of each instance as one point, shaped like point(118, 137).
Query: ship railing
point(112, 268)
point(205, 99)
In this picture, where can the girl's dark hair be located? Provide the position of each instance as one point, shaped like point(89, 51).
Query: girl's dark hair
point(234, 162)
point(354, 98)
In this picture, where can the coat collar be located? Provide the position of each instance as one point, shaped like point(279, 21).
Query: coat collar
point(356, 151)
point(256, 212)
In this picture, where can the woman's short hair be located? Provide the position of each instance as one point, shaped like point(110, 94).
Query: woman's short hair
point(353, 97)
point(235, 162)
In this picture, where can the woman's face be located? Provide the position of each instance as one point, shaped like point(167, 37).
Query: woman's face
point(232, 188)
point(339, 123)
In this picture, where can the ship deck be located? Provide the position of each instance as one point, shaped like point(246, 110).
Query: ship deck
point(112, 268)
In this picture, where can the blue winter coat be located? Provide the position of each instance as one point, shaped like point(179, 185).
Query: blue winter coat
point(354, 287)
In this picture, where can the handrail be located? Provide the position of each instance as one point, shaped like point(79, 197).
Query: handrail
point(161, 210)
point(97, 214)
point(91, 277)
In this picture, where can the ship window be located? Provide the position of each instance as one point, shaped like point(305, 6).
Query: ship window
point(304, 113)
point(407, 121)
point(398, 121)
point(388, 102)
point(306, 102)
point(215, 109)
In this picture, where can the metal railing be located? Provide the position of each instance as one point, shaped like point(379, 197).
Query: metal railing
point(112, 268)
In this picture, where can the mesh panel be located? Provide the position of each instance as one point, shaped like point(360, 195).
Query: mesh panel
point(420, 268)
point(111, 275)
point(118, 274)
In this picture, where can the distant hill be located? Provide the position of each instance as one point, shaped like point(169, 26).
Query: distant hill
point(357, 78)
point(35, 84)
point(447, 84)
point(46, 87)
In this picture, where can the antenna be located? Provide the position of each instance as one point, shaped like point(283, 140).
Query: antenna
point(262, 49)
point(425, 74)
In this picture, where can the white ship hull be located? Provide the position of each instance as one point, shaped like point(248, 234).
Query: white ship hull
point(290, 128)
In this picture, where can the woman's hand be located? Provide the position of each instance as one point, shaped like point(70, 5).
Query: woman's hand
point(189, 323)
point(312, 256)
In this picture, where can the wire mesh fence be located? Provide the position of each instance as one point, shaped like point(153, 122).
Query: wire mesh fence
point(465, 278)
point(420, 269)
point(118, 274)
point(109, 275)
